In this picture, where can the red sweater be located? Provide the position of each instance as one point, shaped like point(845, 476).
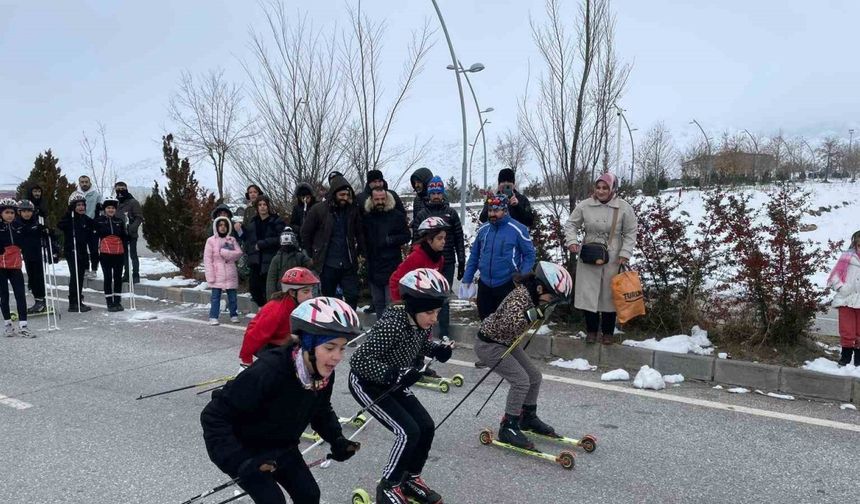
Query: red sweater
point(418, 258)
point(270, 326)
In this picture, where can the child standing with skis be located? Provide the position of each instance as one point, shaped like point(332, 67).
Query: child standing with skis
point(11, 261)
point(517, 311)
point(220, 255)
point(381, 373)
point(78, 234)
point(252, 426)
point(113, 238)
point(35, 241)
point(289, 256)
point(845, 280)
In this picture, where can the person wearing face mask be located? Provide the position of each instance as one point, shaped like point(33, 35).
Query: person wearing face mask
point(113, 237)
point(252, 426)
point(78, 239)
point(305, 199)
point(262, 240)
point(130, 212)
point(609, 223)
point(333, 235)
point(288, 257)
point(94, 208)
point(519, 207)
point(386, 232)
point(381, 372)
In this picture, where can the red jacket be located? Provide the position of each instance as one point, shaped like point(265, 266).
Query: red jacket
point(418, 258)
point(270, 326)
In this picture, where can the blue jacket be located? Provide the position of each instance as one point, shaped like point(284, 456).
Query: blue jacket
point(499, 251)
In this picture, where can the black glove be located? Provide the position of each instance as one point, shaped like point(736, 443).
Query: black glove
point(461, 270)
point(251, 467)
point(408, 376)
point(342, 449)
point(441, 352)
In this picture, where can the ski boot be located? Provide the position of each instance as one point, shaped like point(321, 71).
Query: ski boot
point(529, 421)
point(390, 493)
point(415, 488)
point(510, 433)
point(38, 307)
point(845, 359)
point(430, 373)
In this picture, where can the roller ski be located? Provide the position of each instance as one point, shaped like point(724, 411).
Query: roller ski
point(512, 438)
point(14, 315)
point(531, 424)
point(413, 490)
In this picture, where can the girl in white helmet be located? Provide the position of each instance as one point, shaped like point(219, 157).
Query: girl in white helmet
point(11, 260)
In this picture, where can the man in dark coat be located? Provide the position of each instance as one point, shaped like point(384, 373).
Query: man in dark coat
point(305, 199)
point(333, 235)
point(385, 231)
point(419, 181)
point(519, 207)
point(376, 179)
point(130, 211)
point(34, 195)
point(262, 237)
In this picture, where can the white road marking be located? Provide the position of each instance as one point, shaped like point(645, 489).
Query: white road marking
point(818, 422)
point(14, 403)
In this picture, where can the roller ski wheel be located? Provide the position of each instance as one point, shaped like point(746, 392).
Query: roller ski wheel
point(355, 422)
point(360, 496)
point(565, 459)
point(588, 442)
point(458, 380)
point(442, 385)
point(14, 315)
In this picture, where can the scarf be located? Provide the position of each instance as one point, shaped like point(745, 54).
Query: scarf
point(841, 269)
point(304, 374)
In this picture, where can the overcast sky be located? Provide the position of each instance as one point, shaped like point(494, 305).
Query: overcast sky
point(732, 64)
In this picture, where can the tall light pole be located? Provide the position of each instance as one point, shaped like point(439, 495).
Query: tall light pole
point(707, 142)
point(477, 67)
point(620, 112)
point(472, 151)
point(463, 187)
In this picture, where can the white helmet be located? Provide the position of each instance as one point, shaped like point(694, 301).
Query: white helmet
point(431, 225)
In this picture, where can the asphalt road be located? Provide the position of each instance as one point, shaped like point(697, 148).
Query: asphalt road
point(74, 433)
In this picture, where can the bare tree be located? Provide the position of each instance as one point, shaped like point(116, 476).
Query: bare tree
point(210, 120)
point(656, 156)
point(830, 153)
point(512, 150)
point(97, 164)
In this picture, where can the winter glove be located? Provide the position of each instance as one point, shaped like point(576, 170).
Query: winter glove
point(441, 352)
point(255, 465)
point(461, 270)
point(342, 449)
point(408, 376)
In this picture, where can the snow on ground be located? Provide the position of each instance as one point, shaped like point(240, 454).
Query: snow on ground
point(697, 343)
point(722, 355)
point(615, 375)
point(142, 316)
point(543, 329)
point(176, 281)
point(648, 378)
point(148, 266)
point(575, 364)
point(785, 397)
point(673, 378)
point(848, 407)
point(718, 387)
point(827, 366)
point(738, 390)
point(201, 286)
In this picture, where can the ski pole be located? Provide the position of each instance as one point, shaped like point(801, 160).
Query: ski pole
point(132, 302)
point(53, 291)
point(201, 384)
point(77, 269)
point(231, 499)
point(326, 461)
point(211, 491)
point(216, 387)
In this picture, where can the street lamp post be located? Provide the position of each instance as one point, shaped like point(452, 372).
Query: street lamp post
point(621, 116)
point(477, 67)
point(472, 152)
point(707, 142)
point(462, 112)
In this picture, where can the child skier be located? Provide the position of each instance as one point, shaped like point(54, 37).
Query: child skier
point(11, 261)
point(252, 426)
point(220, 255)
point(110, 230)
point(289, 256)
point(270, 328)
point(519, 309)
point(35, 239)
point(78, 234)
point(381, 372)
point(845, 280)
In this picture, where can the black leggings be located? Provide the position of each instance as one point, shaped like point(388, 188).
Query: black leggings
point(16, 278)
point(112, 271)
point(293, 475)
point(76, 276)
point(36, 278)
point(401, 413)
point(489, 298)
point(257, 285)
point(604, 320)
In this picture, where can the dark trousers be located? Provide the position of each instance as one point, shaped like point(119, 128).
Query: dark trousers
point(16, 278)
point(93, 246)
point(604, 320)
point(76, 276)
point(347, 278)
point(257, 284)
point(112, 271)
point(445, 312)
point(401, 413)
point(293, 475)
point(35, 278)
point(489, 298)
point(135, 261)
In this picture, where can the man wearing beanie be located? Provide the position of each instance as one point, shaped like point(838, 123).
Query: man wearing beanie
point(333, 235)
point(376, 179)
point(519, 207)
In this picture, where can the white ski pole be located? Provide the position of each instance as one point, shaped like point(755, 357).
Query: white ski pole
point(132, 303)
point(51, 294)
point(77, 270)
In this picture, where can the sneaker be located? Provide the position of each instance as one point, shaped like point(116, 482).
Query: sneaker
point(529, 421)
point(389, 493)
point(73, 308)
point(119, 306)
point(24, 332)
point(234, 319)
point(214, 321)
point(38, 307)
point(415, 487)
point(510, 433)
point(10, 331)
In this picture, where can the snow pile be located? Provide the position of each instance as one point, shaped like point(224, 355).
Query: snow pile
point(776, 396)
point(673, 378)
point(148, 266)
point(722, 355)
point(575, 364)
point(848, 407)
point(616, 375)
point(142, 316)
point(649, 378)
point(697, 343)
point(177, 281)
point(827, 366)
point(738, 390)
point(201, 286)
point(718, 387)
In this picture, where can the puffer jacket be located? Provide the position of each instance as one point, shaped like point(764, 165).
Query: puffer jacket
point(34, 238)
point(219, 259)
point(10, 244)
point(223, 208)
point(385, 232)
point(266, 235)
point(455, 248)
point(847, 291)
point(500, 250)
point(78, 231)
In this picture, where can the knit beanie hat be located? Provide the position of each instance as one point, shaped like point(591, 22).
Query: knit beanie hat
point(374, 175)
point(506, 175)
point(436, 186)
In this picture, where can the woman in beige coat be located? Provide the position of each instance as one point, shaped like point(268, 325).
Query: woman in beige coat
point(593, 283)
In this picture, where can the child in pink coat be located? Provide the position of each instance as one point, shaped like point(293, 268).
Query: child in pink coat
point(219, 261)
point(845, 280)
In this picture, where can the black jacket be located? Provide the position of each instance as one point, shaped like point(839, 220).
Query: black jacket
point(424, 175)
point(363, 196)
point(39, 204)
point(454, 241)
point(11, 234)
point(106, 226)
point(33, 237)
point(83, 235)
point(385, 232)
point(319, 222)
point(300, 210)
point(265, 408)
point(521, 213)
point(130, 207)
point(266, 235)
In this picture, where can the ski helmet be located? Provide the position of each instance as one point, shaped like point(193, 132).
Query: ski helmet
point(296, 278)
point(424, 283)
point(555, 278)
point(26, 205)
point(288, 237)
point(110, 201)
point(76, 197)
point(8, 203)
point(431, 226)
point(498, 201)
point(325, 316)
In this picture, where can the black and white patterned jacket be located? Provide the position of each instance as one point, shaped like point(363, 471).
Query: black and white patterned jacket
point(393, 342)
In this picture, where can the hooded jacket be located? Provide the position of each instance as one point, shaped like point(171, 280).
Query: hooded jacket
point(385, 232)
point(223, 208)
point(129, 208)
point(320, 223)
point(271, 326)
point(500, 250)
point(219, 258)
point(265, 409)
point(365, 195)
point(284, 260)
point(454, 241)
point(423, 175)
point(300, 210)
point(266, 235)
point(38, 203)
